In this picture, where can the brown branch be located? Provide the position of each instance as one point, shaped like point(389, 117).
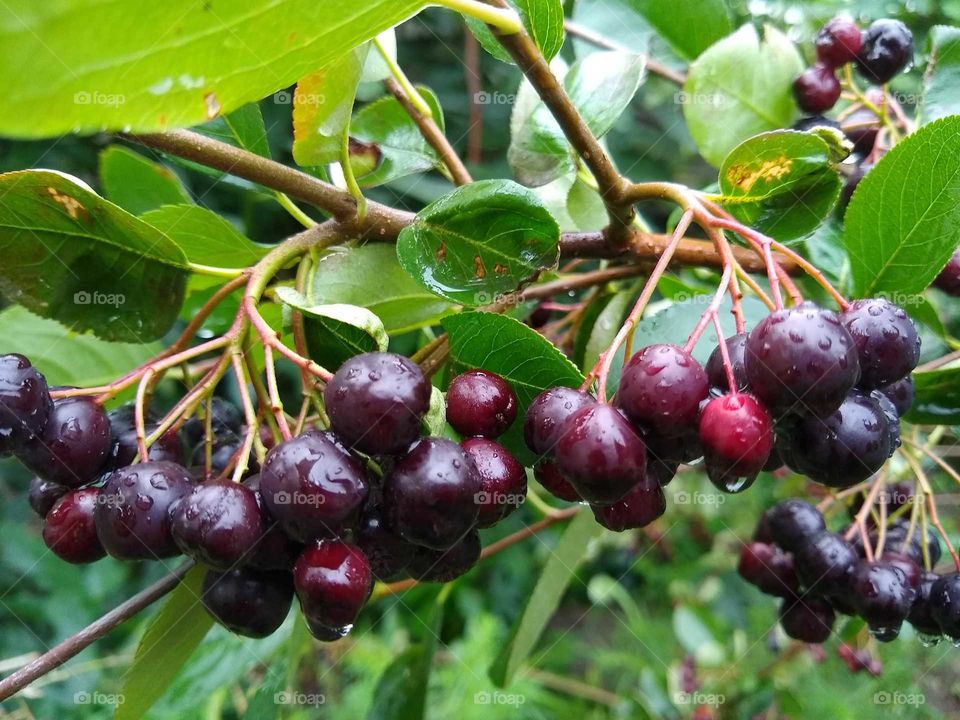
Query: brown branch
point(432, 134)
point(471, 66)
point(59, 654)
point(655, 67)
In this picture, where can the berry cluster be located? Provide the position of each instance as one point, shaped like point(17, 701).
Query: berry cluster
point(880, 52)
point(818, 573)
point(315, 521)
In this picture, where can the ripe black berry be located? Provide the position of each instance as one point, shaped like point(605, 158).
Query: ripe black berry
point(801, 360)
point(921, 612)
point(24, 402)
point(218, 524)
point(547, 414)
point(601, 454)
point(133, 510)
point(661, 389)
point(838, 42)
point(503, 481)
point(248, 602)
point(480, 404)
point(549, 475)
point(123, 440)
point(912, 573)
point(882, 597)
point(861, 128)
point(43, 495)
point(312, 486)
point(387, 552)
point(901, 394)
point(69, 530)
point(333, 581)
point(736, 432)
point(736, 347)
point(74, 445)
point(226, 423)
point(769, 568)
point(637, 509)
point(376, 402)
point(666, 454)
point(949, 278)
point(825, 564)
point(888, 346)
point(442, 566)
point(275, 550)
point(431, 494)
point(945, 604)
point(793, 522)
point(887, 50)
point(807, 619)
point(817, 89)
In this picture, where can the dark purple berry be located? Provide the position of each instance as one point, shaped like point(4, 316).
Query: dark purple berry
point(825, 564)
point(807, 619)
point(376, 402)
point(901, 394)
point(808, 124)
point(74, 445)
point(218, 524)
point(601, 454)
point(817, 89)
point(431, 494)
point(839, 42)
point(312, 486)
point(882, 597)
point(503, 480)
point(949, 278)
point(911, 571)
point(480, 404)
point(69, 529)
point(862, 127)
point(248, 602)
point(24, 402)
point(801, 361)
point(888, 346)
point(549, 475)
point(793, 522)
point(133, 510)
point(637, 509)
point(43, 495)
point(736, 433)
point(275, 550)
point(736, 347)
point(547, 414)
point(333, 581)
point(887, 50)
point(226, 423)
point(387, 552)
point(921, 612)
point(661, 389)
point(666, 454)
point(768, 568)
point(443, 566)
point(945, 604)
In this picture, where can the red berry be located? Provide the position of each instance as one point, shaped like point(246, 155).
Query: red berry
point(661, 389)
point(503, 481)
point(736, 432)
point(480, 404)
point(817, 89)
point(69, 529)
point(838, 42)
point(332, 581)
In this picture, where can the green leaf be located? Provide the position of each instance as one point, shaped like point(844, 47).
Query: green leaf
point(937, 399)
point(608, 324)
point(72, 256)
point(903, 222)
point(479, 241)
point(543, 19)
point(689, 26)
point(247, 127)
point(941, 83)
point(403, 150)
point(523, 357)
point(612, 20)
point(401, 692)
point(370, 276)
point(781, 183)
point(738, 88)
point(169, 641)
point(335, 333)
point(137, 184)
point(322, 105)
point(545, 598)
point(170, 64)
point(586, 208)
point(205, 237)
point(66, 358)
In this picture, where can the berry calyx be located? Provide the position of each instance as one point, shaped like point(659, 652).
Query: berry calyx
point(69, 529)
point(333, 581)
point(376, 402)
point(24, 402)
point(792, 522)
point(503, 481)
point(817, 89)
point(74, 444)
point(887, 342)
point(736, 432)
point(661, 389)
point(547, 414)
point(839, 42)
point(480, 404)
point(887, 50)
point(248, 602)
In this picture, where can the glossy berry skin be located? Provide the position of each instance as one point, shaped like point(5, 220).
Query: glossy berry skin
point(825, 564)
point(637, 509)
point(808, 124)
point(888, 346)
point(480, 404)
point(218, 524)
point(312, 486)
point(376, 402)
point(69, 529)
point(896, 542)
point(333, 581)
point(862, 128)
point(921, 612)
point(133, 510)
point(801, 361)
point(817, 89)
point(845, 448)
point(807, 619)
point(275, 550)
point(911, 571)
point(24, 402)
point(387, 552)
point(793, 522)
point(949, 278)
point(736, 347)
point(549, 475)
point(447, 565)
point(601, 454)
point(431, 494)
point(768, 568)
point(666, 454)
point(248, 602)
point(838, 42)
point(661, 389)
point(44, 494)
point(736, 432)
point(881, 597)
point(547, 414)
point(124, 449)
point(503, 481)
point(945, 604)
point(226, 423)
point(901, 394)
point(74, 444)
point(887, 50)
